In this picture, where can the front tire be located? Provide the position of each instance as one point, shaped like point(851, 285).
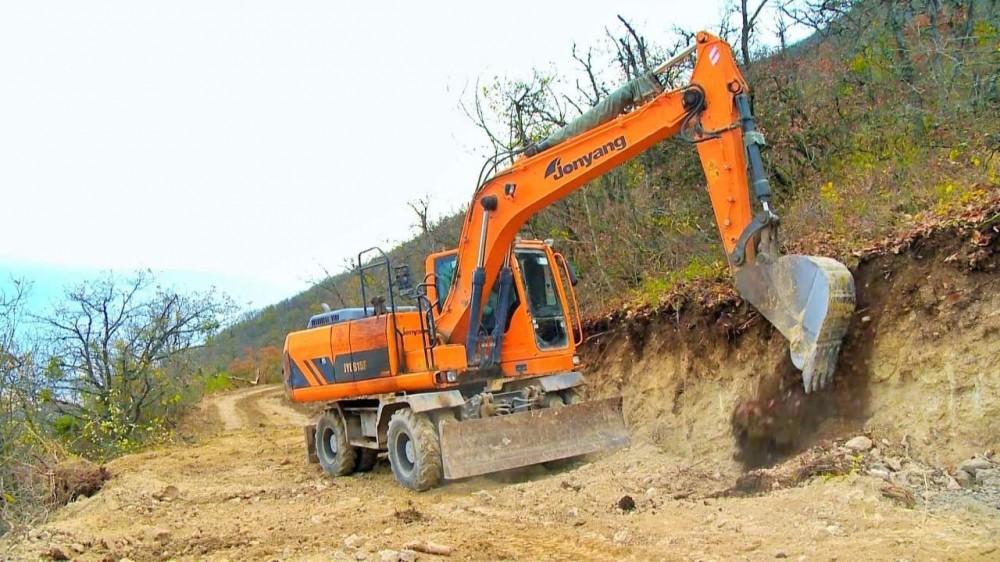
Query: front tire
point(414, 450)
point(335, 453)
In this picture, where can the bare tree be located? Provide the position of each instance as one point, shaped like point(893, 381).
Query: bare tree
point(115, 346)
point(11, 310)
point(595, 91)
point(516, 112)
point(632, 50)
point(749, 15)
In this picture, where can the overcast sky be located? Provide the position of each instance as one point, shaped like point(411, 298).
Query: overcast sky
point(246, 143)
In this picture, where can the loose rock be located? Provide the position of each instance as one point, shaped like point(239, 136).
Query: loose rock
point(989, 477)
point(954, 484)
point(972, 465)
point(626, 503)
point(390, 556)
point(571, 485)
point(859, 444)
point(879, 472)
point(56, 553)
point(428, 548)
point(353, 541)
point(170, 493)
point(962, 478)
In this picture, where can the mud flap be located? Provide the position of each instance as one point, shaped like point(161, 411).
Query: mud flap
point(480, 446)
point(810, 300)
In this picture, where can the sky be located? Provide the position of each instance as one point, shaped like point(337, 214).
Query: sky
point(252, 145)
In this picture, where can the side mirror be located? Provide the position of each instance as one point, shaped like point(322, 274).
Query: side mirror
point(573, 279)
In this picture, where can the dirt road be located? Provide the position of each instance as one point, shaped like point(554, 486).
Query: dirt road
point(245, 492)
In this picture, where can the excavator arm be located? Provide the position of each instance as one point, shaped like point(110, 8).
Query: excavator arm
point(809, 299)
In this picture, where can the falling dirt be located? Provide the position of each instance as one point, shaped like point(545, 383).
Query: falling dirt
point(730, 459)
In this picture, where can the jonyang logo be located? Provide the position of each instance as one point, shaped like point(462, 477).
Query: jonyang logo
point(557, 169)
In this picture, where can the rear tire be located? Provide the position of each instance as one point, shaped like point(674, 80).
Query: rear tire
point(335, 453)
point(414, 450)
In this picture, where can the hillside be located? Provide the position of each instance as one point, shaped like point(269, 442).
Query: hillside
point(896, 461)
point(882, 118)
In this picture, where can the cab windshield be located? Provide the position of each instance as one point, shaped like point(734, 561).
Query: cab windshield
point(544, 304)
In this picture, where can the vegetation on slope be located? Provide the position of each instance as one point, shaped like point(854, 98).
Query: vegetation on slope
point(106, 371)
point(887, 114)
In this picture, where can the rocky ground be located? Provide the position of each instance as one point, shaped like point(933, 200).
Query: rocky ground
point(243, 491)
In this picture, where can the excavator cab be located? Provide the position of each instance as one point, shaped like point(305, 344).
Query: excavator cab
point(542, 305)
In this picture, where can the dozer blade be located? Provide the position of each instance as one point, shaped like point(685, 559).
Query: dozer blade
point(810, 300)
point(480, 446)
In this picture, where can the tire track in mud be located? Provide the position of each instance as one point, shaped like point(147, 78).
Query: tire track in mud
point(272, 408)
point(225, 404)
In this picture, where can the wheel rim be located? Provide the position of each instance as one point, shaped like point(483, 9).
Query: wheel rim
point(329, 444)
point(406, 453)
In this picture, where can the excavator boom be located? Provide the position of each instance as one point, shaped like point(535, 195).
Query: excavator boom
point(809, 299)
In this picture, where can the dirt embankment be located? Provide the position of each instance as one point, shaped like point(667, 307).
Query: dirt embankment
point(921, 364)
point(708, 394)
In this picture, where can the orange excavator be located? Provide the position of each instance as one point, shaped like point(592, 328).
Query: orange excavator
point(482, 374)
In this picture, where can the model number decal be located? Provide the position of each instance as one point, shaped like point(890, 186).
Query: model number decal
point(355, 366)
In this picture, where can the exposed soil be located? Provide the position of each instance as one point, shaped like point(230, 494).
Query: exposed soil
point(247, 494)
point(920, 365)
point(730, 460)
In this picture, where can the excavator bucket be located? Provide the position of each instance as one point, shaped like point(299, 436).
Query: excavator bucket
point(810, 300)
point(492, 444)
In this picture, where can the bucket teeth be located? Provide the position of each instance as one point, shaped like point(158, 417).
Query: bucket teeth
point(818, 370)
point(810, 300)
